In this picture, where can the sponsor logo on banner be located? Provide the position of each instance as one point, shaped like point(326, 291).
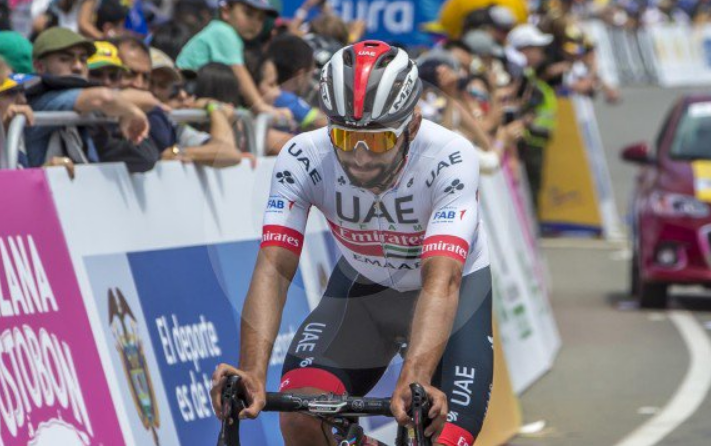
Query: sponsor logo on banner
point(130, 347)
point(52, 386)
point(391, 244)
point(445, 245)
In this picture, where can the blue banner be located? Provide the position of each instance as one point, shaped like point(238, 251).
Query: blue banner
point(173, 316)
point(394, 21)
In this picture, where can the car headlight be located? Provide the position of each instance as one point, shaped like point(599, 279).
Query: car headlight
point(678, 205)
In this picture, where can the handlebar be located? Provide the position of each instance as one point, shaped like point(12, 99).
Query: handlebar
point(327, 406)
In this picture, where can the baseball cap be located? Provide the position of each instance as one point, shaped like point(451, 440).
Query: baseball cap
point(57, 39)
point(17, 81)
point(481, 43)
point(263, 5)
point(106, 56)
point(502, 17)
point(161, 61)
point(16, 51)
point(528, 35)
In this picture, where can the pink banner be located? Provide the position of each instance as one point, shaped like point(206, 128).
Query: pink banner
point(52, 387)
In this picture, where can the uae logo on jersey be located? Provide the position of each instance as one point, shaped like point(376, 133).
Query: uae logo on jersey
point(389, 244)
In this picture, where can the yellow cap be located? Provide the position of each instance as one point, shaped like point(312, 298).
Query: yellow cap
point(106, 56)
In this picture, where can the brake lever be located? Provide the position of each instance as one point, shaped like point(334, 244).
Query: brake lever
point(232, 405)
point(420, 412)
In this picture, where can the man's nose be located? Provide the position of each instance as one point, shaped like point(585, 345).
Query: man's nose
point(361, 154)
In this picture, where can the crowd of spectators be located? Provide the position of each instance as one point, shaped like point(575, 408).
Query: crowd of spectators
point(136, 61)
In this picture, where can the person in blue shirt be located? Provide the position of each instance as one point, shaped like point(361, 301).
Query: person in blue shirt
point(294, 63)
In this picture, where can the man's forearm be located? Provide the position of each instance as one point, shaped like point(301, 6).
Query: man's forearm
point(261, 314)
point(433, 319)
point(220, 151)
point(105, 100)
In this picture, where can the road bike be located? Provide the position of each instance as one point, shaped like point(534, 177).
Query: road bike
point(340, 413)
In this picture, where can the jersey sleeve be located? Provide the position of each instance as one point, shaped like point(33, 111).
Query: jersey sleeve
point(454, 221)
point(288, 205)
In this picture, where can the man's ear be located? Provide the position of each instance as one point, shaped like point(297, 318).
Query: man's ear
point(225, 11)
point(38, 65)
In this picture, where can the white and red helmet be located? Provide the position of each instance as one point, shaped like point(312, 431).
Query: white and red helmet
point(369, 83)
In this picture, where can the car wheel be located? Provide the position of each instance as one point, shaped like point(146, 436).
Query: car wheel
point(634, 274)
point(652, 295)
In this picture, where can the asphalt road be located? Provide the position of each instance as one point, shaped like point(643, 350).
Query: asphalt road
point(618, 365)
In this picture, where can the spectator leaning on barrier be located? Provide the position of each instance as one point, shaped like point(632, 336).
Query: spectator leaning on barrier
point(60, 58)
point(106, 68)
point(223, 41)
point(181, 142)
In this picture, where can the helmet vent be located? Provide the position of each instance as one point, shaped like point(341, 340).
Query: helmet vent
point(385, 61)
point(348, 58)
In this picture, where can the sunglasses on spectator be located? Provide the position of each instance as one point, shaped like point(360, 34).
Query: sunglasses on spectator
point(111, 74)
point(178, 87)
point(376, 141)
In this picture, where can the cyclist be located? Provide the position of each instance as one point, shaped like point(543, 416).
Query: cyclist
point(401, 197)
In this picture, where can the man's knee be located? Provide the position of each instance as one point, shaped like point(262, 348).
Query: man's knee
point(299, 429)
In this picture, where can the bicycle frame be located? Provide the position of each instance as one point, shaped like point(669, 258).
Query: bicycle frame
point(339, 412)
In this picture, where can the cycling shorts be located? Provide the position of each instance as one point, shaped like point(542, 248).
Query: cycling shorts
point(350, 338)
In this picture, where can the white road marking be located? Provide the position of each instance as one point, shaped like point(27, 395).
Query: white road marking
point(690, 394)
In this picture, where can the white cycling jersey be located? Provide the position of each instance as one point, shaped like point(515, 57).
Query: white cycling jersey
point(432, 209)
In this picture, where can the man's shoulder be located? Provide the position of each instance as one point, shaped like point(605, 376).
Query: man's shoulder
point(434, 140)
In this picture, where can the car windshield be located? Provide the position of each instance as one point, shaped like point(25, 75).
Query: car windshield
point(692, 139)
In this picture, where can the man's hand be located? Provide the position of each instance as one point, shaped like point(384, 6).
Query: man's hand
point(18, 109)
point(255, 394)
point(402, 399)
point(134, 125)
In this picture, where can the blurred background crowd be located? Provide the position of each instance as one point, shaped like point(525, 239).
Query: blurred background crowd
point(494, 78)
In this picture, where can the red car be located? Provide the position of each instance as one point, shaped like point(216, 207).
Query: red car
point(671, 210)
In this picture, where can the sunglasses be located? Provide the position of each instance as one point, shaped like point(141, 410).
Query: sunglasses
point(376, 141)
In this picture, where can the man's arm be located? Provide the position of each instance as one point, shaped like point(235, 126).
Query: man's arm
point(133, 122)
point(262, 311)
point(220, 151)
point(433, 319)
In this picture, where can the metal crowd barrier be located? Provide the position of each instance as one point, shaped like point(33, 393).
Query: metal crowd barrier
point(255, 129)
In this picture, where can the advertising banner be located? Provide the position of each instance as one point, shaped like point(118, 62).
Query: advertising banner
point(54, 389)
point(568, 200)
point(167, 287)
point(393, 21)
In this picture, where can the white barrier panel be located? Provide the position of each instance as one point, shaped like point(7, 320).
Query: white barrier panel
point(528, 332)
point(163, 261)
point(612, 228)
point(607, 65)
point(679, 55)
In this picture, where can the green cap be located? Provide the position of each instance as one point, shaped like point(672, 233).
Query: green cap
point(57, 39)
point(17, 51)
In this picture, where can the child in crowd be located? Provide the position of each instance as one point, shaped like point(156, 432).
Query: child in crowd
point(222, 40)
